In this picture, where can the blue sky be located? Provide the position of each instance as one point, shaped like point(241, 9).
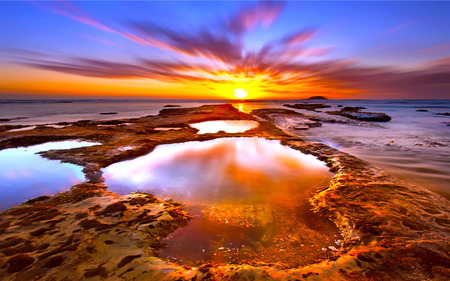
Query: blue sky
point(400, 34)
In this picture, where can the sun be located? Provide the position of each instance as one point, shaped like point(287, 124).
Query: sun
point(240, 93)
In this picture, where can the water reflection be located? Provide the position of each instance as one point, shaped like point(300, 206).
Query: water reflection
point(248, 196)
point(228, 126)
point(25, 175)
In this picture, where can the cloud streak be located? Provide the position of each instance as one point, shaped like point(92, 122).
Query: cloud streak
point(275, 68)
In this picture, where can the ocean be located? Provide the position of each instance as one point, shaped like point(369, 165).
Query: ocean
point(414, 145)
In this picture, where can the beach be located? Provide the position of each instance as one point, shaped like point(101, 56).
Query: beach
point(382, 226)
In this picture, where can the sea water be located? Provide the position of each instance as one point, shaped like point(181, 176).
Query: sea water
point(413, 146)
point(25, 175)
point(248, 196)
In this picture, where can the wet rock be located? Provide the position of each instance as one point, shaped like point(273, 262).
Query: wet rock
point(31, 140)
point(87, 224)
point(307, 106)
point(355, 113)
point(108, 113)
point(127, 260)
point(81, 216)
point(10, 119)
point(172, 105)
point(113, 208)
point(286, 118)
point(422, 110)
point(12, 241)
point(353, 109)
point(54, 261)
point(367, 116)
point(97, 271)
point(444, 114)
point(24, 248)
point(39, 232)
point(19, 262)
point(37, 199)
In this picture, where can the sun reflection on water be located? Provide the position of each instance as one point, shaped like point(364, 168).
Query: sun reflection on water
point(248, 196)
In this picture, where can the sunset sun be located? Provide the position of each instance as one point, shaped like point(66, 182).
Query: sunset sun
point(240, 93)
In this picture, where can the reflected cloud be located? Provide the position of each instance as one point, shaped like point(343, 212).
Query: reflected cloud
point(25, 175)
point(228, 126)
point(236, 168)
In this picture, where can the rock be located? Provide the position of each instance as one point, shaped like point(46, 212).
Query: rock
point(127, 260)
point(108, 113)
point(353, 109)
point(367, 116)
point(54, 261)
point(19, 262)
point(307, 106)
point(10, 119)
point(355, 113)
point(422, 110)
point(317, 98)
point(286, 118)
point(113, 208)
point(389, 226)
point(100, 271)
point(444, 113)
point(172, 105)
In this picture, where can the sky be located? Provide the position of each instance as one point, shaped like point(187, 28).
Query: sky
point(210, 49)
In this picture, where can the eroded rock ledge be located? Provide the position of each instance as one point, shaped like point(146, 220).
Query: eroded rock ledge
point(392, 230)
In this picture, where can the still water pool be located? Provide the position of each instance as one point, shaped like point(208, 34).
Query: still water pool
point(228, 126)
point(25, 175)
point(249, 198)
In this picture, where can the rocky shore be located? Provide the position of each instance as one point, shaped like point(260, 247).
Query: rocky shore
point(356, 113)
point(392, 230)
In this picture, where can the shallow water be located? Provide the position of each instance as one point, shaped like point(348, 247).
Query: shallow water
point(25, 175)
point(413, 146)
point(249, 198)
point(228, 126)
point(416, 137)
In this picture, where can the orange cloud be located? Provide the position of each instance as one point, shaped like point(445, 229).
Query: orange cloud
point(272, 71)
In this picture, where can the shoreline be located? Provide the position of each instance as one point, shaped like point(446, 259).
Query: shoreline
point(389, 226)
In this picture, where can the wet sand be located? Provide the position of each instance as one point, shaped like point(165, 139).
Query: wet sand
point(390, 229)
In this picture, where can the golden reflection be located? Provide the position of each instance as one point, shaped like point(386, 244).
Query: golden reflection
point(248, 196)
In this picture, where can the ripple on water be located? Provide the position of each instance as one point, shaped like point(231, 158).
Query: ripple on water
point(248, 196)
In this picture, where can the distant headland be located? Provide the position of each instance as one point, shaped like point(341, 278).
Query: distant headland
point(317, 98)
